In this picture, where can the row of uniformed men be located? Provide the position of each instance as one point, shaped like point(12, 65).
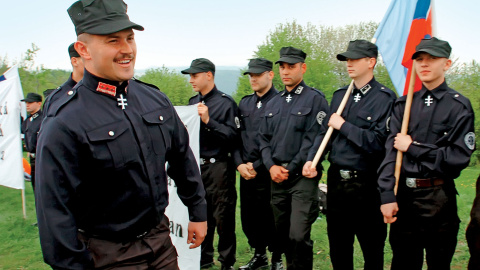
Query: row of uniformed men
point(101, 189)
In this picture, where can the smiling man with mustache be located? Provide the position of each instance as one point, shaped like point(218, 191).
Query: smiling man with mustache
point(102, 181)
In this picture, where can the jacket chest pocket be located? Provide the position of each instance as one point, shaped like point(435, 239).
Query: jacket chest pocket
point(366, 119)
point(272, 116)
point(113, 145)
point(299, 117)
point(440, 131)
point(158, 130)
point(245, 121)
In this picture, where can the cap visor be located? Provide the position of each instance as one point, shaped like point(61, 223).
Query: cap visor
point(193, 70)
point(429, 51)
point(289, 60)
point(350, 55)
point(256, 70)
point(113, 27)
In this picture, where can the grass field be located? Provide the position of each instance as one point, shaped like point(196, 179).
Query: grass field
point(20, 246)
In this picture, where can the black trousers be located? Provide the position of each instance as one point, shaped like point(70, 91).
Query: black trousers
point(153, 251)
point(473, 240)
point(32, 173)
point(258, 223)
point(473, 232)
point(295, 208)
point(354, 210)
point(427, 221)
point(219, 181)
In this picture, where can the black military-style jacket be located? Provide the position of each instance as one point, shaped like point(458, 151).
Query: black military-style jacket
point(59, 92)
point(360, 142)
point(101, 167)
point(30, 128)
point(442, 129)
point(291, 122)
point(251, 110)
point(217, 138)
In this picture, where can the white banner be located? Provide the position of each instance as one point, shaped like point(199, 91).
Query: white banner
point(177, 212)
point(11, 109)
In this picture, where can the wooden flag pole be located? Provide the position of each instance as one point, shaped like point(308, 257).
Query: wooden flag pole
point(24, 205)
point(330, 129)
point(406, 120)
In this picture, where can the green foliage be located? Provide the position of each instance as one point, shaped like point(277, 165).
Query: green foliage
point(322, 44)
point(243, 87)
point(172, 83)
point(465, 78)
point(36, 79)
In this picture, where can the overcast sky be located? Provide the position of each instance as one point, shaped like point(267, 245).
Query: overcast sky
point(226, 32)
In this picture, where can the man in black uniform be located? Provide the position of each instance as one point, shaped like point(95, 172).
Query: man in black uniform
point(256, 211)
point(77, 74)
point(473, 232)
point(101, 178)
point(437, 148)
point(30, 128)
point(357, 148)
point(292, 119)
point(218, 132)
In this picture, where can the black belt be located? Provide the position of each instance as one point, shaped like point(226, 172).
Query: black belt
point(120, 237)
point(350, 174)
point(205, 161)
point(425, 182)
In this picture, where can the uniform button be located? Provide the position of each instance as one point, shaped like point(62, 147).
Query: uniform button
point(369, 118)
point(299, 112)
point(111, 133)
point(270, 114)
point(445, 133)
point(70, 93)
point(161, 118)
point(457, 95)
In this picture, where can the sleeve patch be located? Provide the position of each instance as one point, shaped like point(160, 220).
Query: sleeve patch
point(320, 116)
point(470, 140)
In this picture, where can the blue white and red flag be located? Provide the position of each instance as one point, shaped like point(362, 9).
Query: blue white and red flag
point(405, 24)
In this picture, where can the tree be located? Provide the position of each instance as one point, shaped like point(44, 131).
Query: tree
point(172, 83)
point(322, 44)
point(35, 79)
point(465, 78)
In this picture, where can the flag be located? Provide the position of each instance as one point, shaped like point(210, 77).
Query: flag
point(405, 24)
point(176, 211)
point(11, 109)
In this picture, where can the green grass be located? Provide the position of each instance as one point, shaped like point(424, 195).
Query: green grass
point(20, 246)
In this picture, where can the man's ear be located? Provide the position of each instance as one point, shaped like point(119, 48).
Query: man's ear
point(81, 48)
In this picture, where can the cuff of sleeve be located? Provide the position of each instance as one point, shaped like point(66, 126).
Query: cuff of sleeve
point(212, 124)
point(413, 149)
point(268, 164)
point(257, 163)
point(198, 212)
point(292, 166)
point(346, 128)
point(237, 161)
point(388, 197)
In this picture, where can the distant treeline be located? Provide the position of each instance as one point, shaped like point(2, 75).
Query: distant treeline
point(324, 71)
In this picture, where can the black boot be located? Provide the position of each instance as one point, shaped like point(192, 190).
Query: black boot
point(225, 267)
point(277, 265)
point(257, 262)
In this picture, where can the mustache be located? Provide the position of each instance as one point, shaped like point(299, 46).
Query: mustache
point(130, 56)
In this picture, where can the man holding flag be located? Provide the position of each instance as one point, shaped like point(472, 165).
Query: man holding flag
point(437, 148)
point(356, 151)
